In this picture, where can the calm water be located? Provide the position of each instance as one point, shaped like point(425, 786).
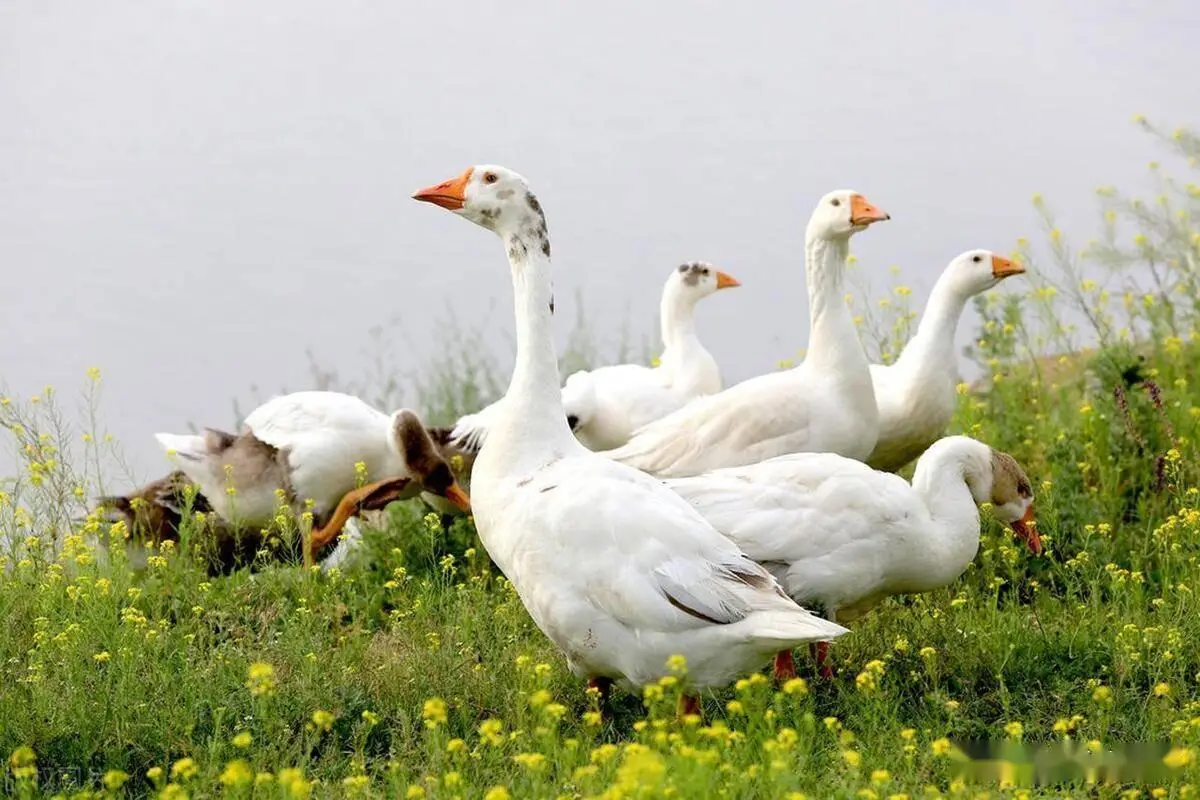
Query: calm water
point(194, 194)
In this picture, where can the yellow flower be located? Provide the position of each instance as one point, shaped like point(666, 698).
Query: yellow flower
point(927, 652)
point(497, 793)
point(173, 791)
point(1014, 729)
point(1102, 695)
point(592, 718)
point(492, 731)
point(322, 720)
point(356, 783)
point(1162, 689)
point(237, 773)
point(796, 686)
point(852, 757)
point(907, 734)
point(184, 769)
point(940, 747)
point(1178, 758)
point(101, 657)
point(243, 740)
point(434, 712)
point(414, 792)
point(539, 698)
point(677, 664)
point(293, 782)
point(881, 776)
point(114, 779)
point(260, 679)
point(735, 707)
point(534, 762)
point(154, 773)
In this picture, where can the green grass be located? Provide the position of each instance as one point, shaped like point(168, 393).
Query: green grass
point(418, 673)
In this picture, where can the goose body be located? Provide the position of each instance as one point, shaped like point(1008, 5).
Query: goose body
point(916, 395)
point(305, 446)
point(617, 570)
point(842, 536)
point(604, 406)
point(157, 512)
point(826, 404)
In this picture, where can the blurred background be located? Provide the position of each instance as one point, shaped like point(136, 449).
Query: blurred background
point(205, 199)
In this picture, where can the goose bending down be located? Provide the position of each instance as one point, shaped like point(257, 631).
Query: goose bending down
point(826, 404)
point(306, 445)
point(841, 536)
point(155, 513)
point(615, 568)
point(916, 394)
point(604, 406)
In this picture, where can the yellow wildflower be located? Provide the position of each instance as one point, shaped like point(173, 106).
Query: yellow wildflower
point(1178, 758)
point(237, 773)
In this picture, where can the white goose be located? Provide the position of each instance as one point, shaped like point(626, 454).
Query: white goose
point(842, 536)
point(826, 404)
point(615, 568)
point(916, 394)
point(306, 444)
point(605, 406)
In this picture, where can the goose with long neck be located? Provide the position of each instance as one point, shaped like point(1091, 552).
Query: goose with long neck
point(616, 569)
point(826, 404)
point(605, 406)
point(841, 536)
point(916, 394)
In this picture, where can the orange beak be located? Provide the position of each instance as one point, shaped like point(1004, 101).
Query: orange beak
point(863, 213)
point(448, 194)
point(1026, 530)
point(726, 281)
point(1002, 267)
point(456, 495)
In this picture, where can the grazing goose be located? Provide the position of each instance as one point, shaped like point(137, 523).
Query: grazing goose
point(606, 405)
point(916, 395)
point(155, 513)
point(615, 568)
point(307, 445)
point(826, 404)
point(842, 536)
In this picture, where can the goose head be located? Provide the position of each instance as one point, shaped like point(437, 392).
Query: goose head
point(1011, 497)
point(842, 214)
point(492, 197)
point(698, 279)
point(412, 441)
point(976, 271)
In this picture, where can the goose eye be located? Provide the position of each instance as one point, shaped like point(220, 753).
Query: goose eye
point(490, 177)
point(977, 259)
point(835, 202)
point(704, 272)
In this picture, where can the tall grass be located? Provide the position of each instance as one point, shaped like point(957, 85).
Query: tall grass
point(419, 674)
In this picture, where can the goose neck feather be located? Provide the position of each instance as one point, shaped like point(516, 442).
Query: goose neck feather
point(533, 409)
point(948, 478)
point(932, 347)
point(832, 340)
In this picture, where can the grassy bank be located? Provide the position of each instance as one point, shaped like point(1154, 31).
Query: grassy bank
point(418, 673)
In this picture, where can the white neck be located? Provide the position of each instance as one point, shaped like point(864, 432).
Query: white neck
point(940, 480)
point(677, 313)
point(533, 402)
point(832, 338)
point(932, 347)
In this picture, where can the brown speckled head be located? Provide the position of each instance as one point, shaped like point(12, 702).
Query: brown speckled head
point(424, 459)
point(1012, 499)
